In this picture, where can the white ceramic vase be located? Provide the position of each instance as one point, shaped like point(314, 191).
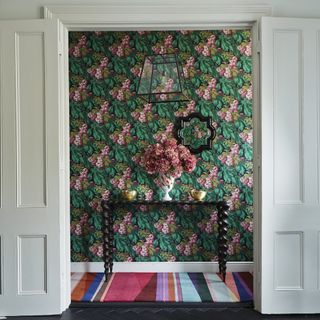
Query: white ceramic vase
point(166, 186)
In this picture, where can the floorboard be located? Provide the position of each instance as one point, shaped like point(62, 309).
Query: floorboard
point(164, 313)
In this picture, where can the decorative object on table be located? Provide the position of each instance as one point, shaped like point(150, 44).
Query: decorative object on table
point(166, 185)
point(168, 160)
point(198, 195)
point(162, 79)
point(195, 132)
point(129, 195)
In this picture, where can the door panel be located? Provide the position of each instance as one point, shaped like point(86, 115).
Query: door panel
point(290, 165)
point(29, 214)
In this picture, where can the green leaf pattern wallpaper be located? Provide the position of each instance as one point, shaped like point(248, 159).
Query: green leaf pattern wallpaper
point(110, 127)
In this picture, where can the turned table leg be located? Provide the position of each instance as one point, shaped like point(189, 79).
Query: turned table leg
point(222, 237)
point(107, 239)
point(111, 237)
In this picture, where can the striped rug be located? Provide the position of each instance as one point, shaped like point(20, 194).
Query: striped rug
point(161, 287)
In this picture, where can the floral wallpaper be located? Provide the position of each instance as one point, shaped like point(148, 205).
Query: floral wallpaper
point(111, 127)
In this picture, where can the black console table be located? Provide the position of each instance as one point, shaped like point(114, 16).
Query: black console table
point(108, 245)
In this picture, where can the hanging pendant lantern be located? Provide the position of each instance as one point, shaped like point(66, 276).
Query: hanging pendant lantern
point(162, 79)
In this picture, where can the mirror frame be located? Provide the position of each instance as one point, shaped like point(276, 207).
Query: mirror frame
point(180, 124)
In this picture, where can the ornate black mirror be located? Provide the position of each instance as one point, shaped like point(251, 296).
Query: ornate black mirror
point(195, 131)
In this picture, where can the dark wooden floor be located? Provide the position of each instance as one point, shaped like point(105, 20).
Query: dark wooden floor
point(165, 314)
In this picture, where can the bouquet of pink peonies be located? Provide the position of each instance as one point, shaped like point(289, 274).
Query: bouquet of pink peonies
point(167, 158)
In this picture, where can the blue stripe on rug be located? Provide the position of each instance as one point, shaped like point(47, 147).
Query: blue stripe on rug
point(93, 287)
point(243, 293)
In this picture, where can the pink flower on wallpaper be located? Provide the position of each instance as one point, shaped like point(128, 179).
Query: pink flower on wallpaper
point(187, 250)
point(141, 116)
point(122, 229)
point(83, 85)
point(144, 251)
point(234, 199)
point(126, 84)
point(84, 173)
point(77, 230)
point(227, 72)
point(149, 195)
point(234, 106)
point(172, 259)
point(230, 250)
point(206, 51)
point(246, 136)
point(127, 218)
point(137, 249)
point(233, 62)
point(168, 41)
point(165, 228)
point(120, 138)
point(75, 51)
point(76, 93)
point(247, 181)
point(150, 239)
point(171, 217)
point(98, 73)
point(190, 108)
point(207, 181)
point(246, 49)
point(236, 238)
point(211, 42)
point(76, 96)
point(235, 149)
point(136, 71)
point(106, 195)
point(228, 116)
point(206, 95)
point(214, 217)
point(125, 40)
point(99, 162)
point(208, 227)
point(120, 95)
point(97, 250)
point(77, 140)
point(193, 239)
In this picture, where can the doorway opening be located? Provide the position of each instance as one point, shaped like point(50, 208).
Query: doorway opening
point(109, 129)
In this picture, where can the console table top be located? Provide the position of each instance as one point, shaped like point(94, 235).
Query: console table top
point(155, 202)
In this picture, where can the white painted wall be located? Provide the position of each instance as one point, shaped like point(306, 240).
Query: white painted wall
point(32, 9)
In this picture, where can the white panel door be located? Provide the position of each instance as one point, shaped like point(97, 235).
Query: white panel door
point(290, 144)
point(30, 254)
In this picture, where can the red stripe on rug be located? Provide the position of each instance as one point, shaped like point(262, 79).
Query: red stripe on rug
point(127, 286)
point(148, 293)
point(82, 287)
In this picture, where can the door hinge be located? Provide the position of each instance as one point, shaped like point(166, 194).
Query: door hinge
point(258, 47)
point(258, 161)
point(60, 48)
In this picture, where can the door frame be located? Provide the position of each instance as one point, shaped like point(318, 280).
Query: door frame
point(164, 16)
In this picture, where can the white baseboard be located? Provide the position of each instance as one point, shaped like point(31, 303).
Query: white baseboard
point(162, 266)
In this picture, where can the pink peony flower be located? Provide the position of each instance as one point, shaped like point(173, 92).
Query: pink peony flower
point(168, 158)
